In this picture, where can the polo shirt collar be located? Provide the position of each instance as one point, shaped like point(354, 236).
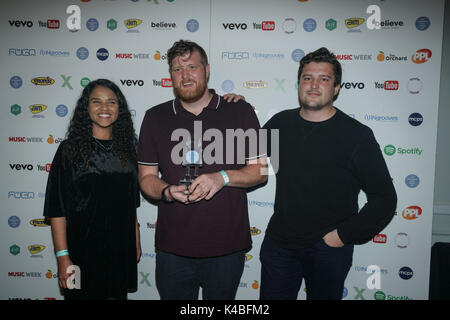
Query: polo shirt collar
point(213, 104)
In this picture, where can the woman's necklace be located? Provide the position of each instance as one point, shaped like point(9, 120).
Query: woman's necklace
point(106, 148)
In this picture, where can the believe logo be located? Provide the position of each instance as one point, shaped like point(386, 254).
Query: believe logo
point(421, 56)
point(411, 212)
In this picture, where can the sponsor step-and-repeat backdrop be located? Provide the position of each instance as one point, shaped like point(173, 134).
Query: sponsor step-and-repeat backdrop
point(390, 52)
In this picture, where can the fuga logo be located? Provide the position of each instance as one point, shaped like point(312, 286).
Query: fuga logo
point(390, 150)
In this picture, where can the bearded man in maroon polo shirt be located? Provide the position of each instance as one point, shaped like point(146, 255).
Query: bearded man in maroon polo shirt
point(206, 150)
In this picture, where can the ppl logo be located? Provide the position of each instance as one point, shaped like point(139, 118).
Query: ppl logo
point(412, 212)
point(102, 54)
point(421, 56)
point(405, 273)
point(380, 238)
point(415, 119)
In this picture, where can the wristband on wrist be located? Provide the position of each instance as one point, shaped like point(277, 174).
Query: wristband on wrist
point(61, 253)
point(163, 196)
point(225, 177)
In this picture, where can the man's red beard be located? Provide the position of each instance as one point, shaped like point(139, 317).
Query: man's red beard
point(190, 94)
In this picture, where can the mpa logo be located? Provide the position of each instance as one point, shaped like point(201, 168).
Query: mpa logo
point(412, 212)
point(421, 56)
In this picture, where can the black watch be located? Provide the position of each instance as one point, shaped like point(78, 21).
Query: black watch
point(163, 196)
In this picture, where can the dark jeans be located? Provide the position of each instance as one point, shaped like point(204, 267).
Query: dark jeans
point(324, 269)
point(179, 278)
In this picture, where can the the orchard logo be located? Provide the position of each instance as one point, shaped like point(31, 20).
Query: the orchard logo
point(52, 140)
point(390, 57)
point(159, 57)
point(411, 212)
point(421, 56)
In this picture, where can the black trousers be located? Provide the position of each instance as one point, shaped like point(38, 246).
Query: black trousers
point(324, 269)
point(180, 278)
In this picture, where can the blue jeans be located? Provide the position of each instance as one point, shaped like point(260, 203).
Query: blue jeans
point(324, 269)
point(179, 278)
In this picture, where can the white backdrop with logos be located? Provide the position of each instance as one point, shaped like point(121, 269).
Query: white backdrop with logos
point(390, 83)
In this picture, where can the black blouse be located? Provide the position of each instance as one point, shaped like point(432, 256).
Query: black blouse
point(99, 203)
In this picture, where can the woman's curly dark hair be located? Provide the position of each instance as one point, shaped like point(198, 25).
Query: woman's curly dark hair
point(78, 144)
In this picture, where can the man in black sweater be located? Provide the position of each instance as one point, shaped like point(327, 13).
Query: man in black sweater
point(324, 159)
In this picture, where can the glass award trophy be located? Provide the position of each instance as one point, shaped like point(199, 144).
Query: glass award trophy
point(192, 161)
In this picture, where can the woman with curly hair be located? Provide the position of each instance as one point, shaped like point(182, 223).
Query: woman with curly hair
point(92, 195)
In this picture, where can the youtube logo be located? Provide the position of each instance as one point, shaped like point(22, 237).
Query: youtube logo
point(380, 238)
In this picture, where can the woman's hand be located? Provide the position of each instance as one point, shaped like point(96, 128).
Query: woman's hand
point(64, 263)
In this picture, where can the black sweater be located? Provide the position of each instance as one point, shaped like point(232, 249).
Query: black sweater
point(322, 167)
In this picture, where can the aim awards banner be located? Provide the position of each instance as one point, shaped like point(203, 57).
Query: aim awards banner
point(390, 52)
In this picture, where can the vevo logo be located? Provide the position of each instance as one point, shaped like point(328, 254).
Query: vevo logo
point(235, 26)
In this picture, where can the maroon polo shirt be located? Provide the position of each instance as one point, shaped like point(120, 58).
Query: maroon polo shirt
point(207, 228)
